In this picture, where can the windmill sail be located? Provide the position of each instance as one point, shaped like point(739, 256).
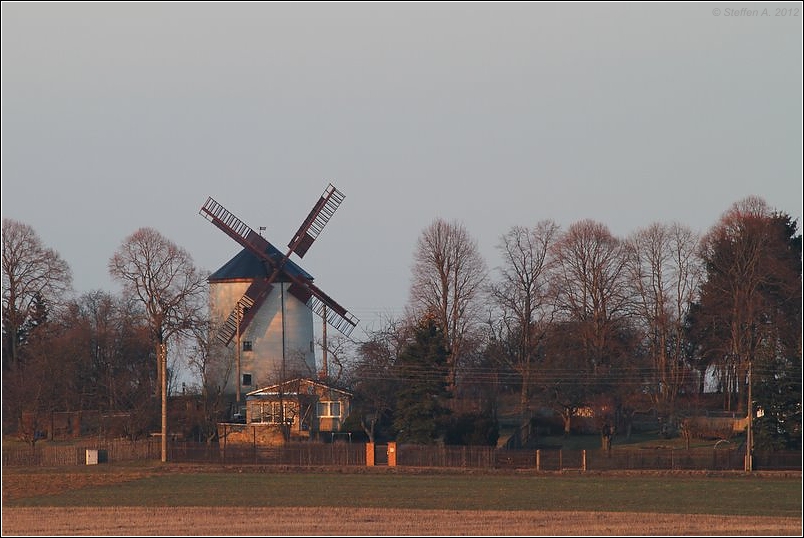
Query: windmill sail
point(319, 216)
point(337, 316)
point(316, 300)
point(235, 228)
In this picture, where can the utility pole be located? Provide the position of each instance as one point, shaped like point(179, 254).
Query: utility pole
point(282, 308)
point(749, 436)
point(283, 425)
point(324, 372)
point(239, 311)
point(163, 375)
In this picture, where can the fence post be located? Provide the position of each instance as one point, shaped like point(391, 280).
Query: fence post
point(369, 454)
point(583, 460)
point(538, 460)
point(391, 453)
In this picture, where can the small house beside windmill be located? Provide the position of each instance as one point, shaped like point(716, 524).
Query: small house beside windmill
point(296, 410)
point(261, 303)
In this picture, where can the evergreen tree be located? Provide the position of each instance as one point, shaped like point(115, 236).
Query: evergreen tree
point(777, 394)
point(777, 374)
point(422, 368)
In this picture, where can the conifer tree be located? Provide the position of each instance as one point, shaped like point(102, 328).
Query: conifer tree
point(422, 368)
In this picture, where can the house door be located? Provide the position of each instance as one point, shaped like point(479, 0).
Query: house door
point(380, 454)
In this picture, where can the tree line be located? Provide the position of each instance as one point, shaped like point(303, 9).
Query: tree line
point(569, 320)
point(576, 320)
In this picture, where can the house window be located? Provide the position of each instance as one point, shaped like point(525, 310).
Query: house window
point(269, 412)
point(247, 345)
point(329, 409)
point(246, 380)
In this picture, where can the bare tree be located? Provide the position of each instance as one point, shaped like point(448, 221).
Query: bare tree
point(564, 374)
point(337, 349)
point(164, 278)
point(448, 278)
point(211, 364)
point(208, 359)
point(110, 349)
point(593, 302)
point(523, 298)
point(590, 287)
point(373, 379)
point(32, 274)
point(665, 272)
point(30, 386)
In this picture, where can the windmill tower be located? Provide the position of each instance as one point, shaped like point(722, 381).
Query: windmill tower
point(263, 303)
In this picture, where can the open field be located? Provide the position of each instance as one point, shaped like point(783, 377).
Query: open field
point(171, 499)
point(328, 521)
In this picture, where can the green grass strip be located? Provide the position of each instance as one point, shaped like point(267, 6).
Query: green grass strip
point(743, 495)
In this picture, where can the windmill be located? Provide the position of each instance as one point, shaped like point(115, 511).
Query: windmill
point(259, 269)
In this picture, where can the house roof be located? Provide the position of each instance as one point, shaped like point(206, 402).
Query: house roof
point(274, 389)
point(246, 265)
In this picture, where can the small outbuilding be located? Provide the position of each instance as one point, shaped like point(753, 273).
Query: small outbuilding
point(296, 410)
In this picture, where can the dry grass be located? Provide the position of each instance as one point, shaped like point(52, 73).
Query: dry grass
point(19, 485)
point(121, 521)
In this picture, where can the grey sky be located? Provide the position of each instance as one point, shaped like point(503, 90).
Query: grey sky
point(122, 115)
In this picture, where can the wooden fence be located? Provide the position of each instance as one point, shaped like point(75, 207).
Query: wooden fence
point(354, 454)
point(292, 454)
point(584, 460)
point(75, 454)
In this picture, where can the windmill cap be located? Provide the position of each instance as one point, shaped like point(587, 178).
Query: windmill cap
point(246, 265)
